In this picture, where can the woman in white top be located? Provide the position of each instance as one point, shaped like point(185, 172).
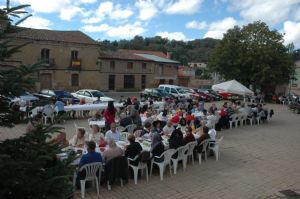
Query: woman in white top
point(96, 135)
point(168, 129)
point(79, 139)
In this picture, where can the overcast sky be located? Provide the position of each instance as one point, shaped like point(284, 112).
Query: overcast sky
point(174, 19)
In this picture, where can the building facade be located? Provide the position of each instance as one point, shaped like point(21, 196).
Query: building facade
point(73, 61)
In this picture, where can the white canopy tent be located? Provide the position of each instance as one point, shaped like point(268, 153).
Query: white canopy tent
point(234, 87)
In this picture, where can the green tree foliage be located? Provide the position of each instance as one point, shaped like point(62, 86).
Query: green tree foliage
point(254, 55)
point(29, 167)
point(197, 50)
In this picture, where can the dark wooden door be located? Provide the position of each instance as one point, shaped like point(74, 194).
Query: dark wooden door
point(111, 82)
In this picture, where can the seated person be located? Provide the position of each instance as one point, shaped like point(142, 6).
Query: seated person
point(147, 129)
point(125, 120)
point(133, 149)
point(182, 125)
point(91, 156)
point(59, 106)
point(88, 158)
point(212, 134)
point(113, 133)
point(168, 129)
point(33, 123)
point(189, 136)
point(113, 150)
point(60, 139)
point(189, 117)
point(176, 139)
point(79, 139)
point(204, 134)
point(156, 126)
point(95, 134)
point(157, 146)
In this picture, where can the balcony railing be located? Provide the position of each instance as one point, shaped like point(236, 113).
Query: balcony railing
point(49, 62)
point(75, 64)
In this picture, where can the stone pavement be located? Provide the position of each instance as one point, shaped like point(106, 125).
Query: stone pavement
point(256, 162)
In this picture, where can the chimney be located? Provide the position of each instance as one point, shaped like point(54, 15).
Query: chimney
point(169, 54)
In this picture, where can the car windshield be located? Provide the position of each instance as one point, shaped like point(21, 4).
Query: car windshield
point(181, 90)
point(97, 94)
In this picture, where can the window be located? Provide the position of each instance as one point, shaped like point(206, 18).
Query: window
point(143, 81)
point(173, 90)
point(74, 55)
point(74, 80)
point(88, 94)
point(144, 66)
point(161, 81)
point(171, 81)
point(112, 65)
point(130, 65)
point(128, 81)
point(160, 69)
point(167, 89)
point(45, 55)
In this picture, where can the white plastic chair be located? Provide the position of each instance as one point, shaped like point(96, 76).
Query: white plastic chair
point(204, 144)
point(240, 119)
point(181, 156)
point(191, 146)
point(215, 147)
point(90, 175)
point(141, 166)
point(124, 136)
point(257, 119)
point(251, 120)
point(48, 112)
point(162, 165)
point(130, 128)
point(233, 120)
point(120, 129)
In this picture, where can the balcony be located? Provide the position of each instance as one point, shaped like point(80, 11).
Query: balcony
point(48, 62)
point(75, 64)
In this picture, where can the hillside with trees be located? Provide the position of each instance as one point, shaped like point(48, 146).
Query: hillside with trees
point(198, 50)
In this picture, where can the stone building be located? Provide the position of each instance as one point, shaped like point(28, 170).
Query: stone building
point(73, 61)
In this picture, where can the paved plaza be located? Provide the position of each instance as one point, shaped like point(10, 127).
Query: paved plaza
point(256, 162)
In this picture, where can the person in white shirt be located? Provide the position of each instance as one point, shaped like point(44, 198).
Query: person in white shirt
point(113, 133)
point(168, 129)
point(96, 135)
point(212, 134)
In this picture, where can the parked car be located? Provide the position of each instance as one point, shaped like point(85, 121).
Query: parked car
point(213, 94)
point(177, 91)
point(155, 93)
point(228, 96)
point(59, 94)
point(202, 95)
point(24, 97)
point(91, 95)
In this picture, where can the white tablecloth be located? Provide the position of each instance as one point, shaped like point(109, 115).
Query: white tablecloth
point(100, 123)
point(89, 107)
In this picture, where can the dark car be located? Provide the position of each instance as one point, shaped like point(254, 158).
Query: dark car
point(58, 94)
point(155, 93)
point(203, 95)
point(214, 94)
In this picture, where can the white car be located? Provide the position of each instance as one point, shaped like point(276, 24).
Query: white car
point(91, 95)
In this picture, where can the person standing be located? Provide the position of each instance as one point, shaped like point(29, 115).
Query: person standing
point(109, 114)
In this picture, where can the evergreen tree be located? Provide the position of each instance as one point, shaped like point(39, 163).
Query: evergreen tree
point(29, 167)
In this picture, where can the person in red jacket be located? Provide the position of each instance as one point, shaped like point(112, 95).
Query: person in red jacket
point(109, 114)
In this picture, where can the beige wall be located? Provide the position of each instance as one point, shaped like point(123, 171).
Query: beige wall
point(91, 75)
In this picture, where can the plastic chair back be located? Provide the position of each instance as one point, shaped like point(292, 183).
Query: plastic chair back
point(91, 170)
